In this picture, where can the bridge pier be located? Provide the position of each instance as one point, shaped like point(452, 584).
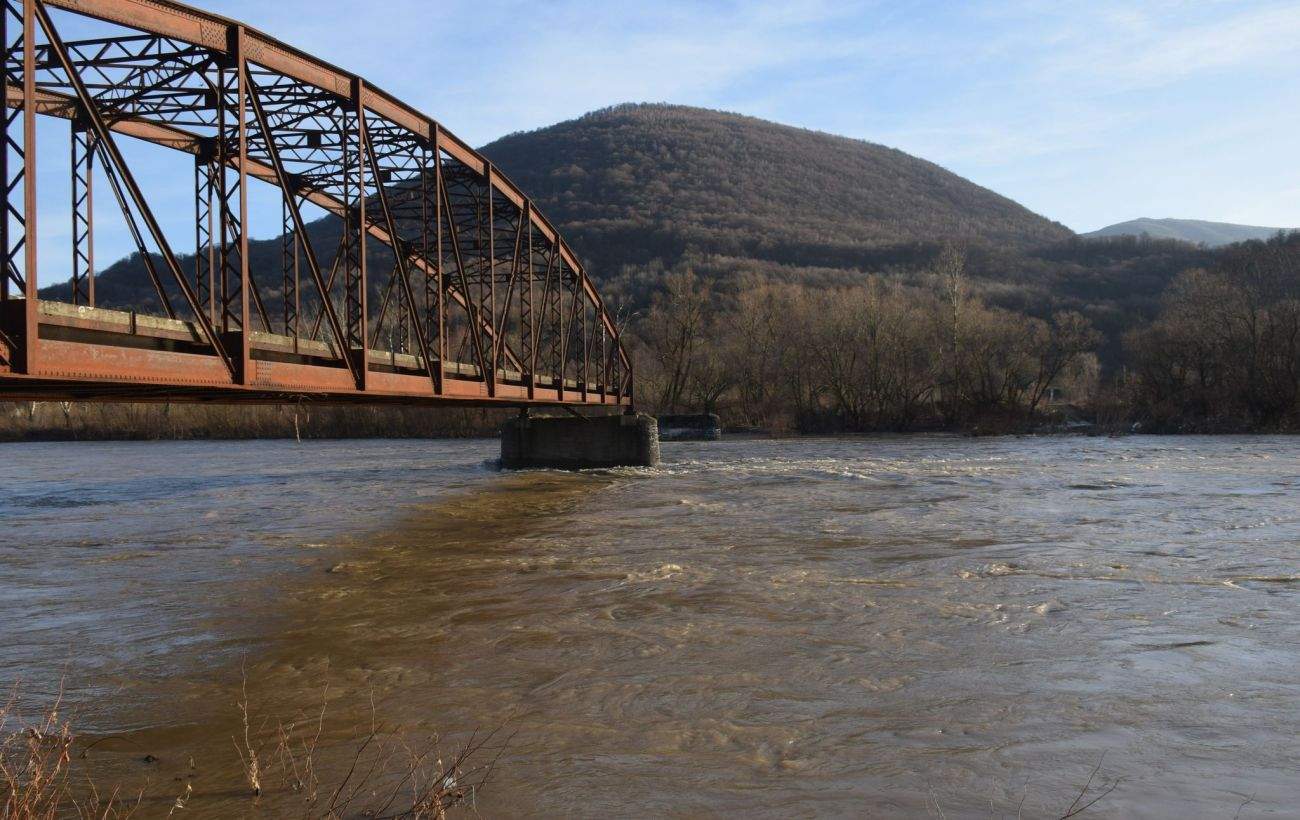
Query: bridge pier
point(579, 442)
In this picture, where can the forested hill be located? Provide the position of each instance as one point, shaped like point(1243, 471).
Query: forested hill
point(1196, 231)
point(639, 183)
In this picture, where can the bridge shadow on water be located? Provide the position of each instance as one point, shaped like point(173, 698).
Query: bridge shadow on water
point(405, 628)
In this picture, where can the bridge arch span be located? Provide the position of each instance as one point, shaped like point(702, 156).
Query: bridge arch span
point(440, 282)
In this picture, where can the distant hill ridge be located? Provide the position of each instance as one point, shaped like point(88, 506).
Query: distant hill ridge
point(642, 182)
point(1196, 231)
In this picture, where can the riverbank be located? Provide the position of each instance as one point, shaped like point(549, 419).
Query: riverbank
point(164, 421)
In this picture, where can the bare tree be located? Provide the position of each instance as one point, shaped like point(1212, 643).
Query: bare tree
point(672, 333)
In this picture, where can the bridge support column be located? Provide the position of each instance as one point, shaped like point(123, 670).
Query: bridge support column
point(576, 443)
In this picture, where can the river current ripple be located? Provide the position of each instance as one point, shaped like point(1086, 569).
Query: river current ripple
point(883, 626)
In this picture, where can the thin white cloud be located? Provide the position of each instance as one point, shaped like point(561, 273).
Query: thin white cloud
point(1134, 50)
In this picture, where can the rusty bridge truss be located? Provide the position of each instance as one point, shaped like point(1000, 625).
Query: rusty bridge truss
point(439, 281)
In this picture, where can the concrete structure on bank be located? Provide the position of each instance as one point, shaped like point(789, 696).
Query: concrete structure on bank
point(579, 442)
point(692, 427)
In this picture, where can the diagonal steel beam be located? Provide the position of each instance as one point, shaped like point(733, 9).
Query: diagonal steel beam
point(503, 325)
point(134, 229)
point(329, 286)
point(382, 317)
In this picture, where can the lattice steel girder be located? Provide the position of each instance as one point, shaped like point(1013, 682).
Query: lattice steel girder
point(83, 215)
point(251, 108)
point(147, 75)
point(205, 231)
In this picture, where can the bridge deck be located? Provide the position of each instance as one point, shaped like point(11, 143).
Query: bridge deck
point(102, 354)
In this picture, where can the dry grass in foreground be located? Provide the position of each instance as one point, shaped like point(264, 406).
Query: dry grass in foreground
point(386, 776)
point(36, 771)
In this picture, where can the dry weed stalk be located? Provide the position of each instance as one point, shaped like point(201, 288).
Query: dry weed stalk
point(35, 770)
point(387, 775)
point(248, 755)
point(933, 808)
point(1078, 806)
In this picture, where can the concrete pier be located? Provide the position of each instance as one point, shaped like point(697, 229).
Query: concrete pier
point(573, 443)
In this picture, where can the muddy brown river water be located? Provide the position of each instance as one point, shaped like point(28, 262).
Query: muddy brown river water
point(835, 627)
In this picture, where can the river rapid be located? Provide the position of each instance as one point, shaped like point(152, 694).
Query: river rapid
point(836, 627)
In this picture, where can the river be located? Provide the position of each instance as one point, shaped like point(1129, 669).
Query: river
point(884, 626)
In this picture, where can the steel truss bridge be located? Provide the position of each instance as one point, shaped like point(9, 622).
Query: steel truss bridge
point(467, 294)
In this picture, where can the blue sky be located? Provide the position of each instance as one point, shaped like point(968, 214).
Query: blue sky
point(1088, 113)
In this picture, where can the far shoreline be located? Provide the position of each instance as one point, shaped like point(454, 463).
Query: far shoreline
point(53, 437)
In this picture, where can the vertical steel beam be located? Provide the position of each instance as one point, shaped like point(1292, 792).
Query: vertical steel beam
point(236, 306)
point(289, 241)
point(550, 321)
point(238, 290)
point(618, 374)
point(583, 344)
point(31, 326)
point(205, 249)
point(561, 337)
point(11, 114)
point(83, 218)
point(572, 330)
point(355, 282)
point(541, 314)
point(492, 280)
point(221, 187)
point(430, 229)
point(440, 269)
point(527, 318)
